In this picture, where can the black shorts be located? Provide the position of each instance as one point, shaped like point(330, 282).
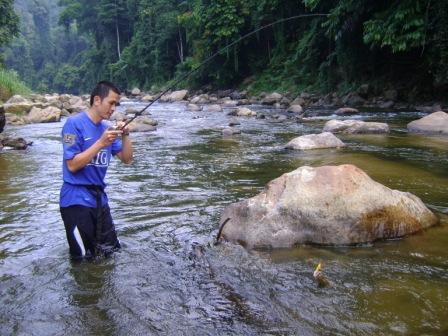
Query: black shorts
point(80, 226)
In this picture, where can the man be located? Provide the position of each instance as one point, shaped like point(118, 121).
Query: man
point(88, 144)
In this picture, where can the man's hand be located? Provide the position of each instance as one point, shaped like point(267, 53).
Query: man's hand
point(109, 136)
point(120, 126)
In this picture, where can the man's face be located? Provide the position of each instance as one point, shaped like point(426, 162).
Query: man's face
point(107, 106)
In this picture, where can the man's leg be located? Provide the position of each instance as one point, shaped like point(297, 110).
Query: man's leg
point(109, 240)
point(79, 222)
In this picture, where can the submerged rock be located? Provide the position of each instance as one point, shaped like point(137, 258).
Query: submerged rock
point(329, 205)
point(315, 141)
point(15, 143)
point(355, 127)
point(229, 131)
point(435, 123)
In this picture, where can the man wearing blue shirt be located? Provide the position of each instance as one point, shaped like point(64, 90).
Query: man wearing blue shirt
point(89, 144)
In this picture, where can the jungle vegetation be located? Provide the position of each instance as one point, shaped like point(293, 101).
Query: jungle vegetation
point(68, 45)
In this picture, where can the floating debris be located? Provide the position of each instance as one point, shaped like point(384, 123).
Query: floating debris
point(321, 279)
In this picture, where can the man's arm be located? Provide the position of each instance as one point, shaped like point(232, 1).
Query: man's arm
point(127, 153)
point(82, 159)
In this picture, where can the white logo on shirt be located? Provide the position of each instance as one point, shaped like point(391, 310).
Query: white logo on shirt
point(100, 159)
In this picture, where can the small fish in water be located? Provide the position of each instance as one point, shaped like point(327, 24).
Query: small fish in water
point(321, 279)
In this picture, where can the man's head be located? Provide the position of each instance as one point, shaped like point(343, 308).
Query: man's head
point(103, 100)
point(102, 90)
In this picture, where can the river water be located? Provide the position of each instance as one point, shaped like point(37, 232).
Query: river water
point(170, 279)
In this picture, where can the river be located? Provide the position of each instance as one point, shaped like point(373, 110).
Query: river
point(169, 278)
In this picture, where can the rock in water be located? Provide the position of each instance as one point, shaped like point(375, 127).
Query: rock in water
point(435, 123)
point(329, 205)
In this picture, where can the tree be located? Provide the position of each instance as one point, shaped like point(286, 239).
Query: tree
point(9, 21)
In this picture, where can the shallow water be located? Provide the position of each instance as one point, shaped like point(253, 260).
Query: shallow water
point(169, 278)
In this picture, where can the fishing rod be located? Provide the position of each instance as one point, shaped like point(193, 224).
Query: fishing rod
point(213, 56)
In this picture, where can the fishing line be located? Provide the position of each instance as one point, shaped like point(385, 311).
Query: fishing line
point(214, 55)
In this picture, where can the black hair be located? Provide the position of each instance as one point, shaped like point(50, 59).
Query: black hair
point(102, 90)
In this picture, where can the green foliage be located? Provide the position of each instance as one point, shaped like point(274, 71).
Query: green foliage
point(10, 85)
point(67, 79)
point(150, 43)
point(401, 26)
point(9, 21)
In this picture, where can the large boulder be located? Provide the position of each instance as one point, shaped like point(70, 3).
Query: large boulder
point(17, 107)
point(435, 123)
point(14, 119)
point(355, 127)
point(38, 115)
point(315, 141)
point(329, 205)
point(53, 100)
point(75, 105)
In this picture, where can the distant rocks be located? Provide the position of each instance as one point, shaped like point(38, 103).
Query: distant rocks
point(245, 112)
point(272, 98)
point(174, 96)
point(355, 127)
point(435, 123)
point(229, 131)
point(346, 111)
point(142, 124)
point(194, 107)
point(315, 141)
point(42, 108)
point(295, 108)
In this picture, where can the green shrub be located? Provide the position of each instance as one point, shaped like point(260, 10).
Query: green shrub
point(10, 84)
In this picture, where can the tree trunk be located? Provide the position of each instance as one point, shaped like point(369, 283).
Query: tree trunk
point(180, 46)
point(118, 40)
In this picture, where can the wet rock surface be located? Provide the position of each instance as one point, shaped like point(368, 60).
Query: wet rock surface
point(329, 205)
point(315, 141)
point(435, 123)
point(355, 127)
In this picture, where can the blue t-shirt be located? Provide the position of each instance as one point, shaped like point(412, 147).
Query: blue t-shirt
point(78, 134)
